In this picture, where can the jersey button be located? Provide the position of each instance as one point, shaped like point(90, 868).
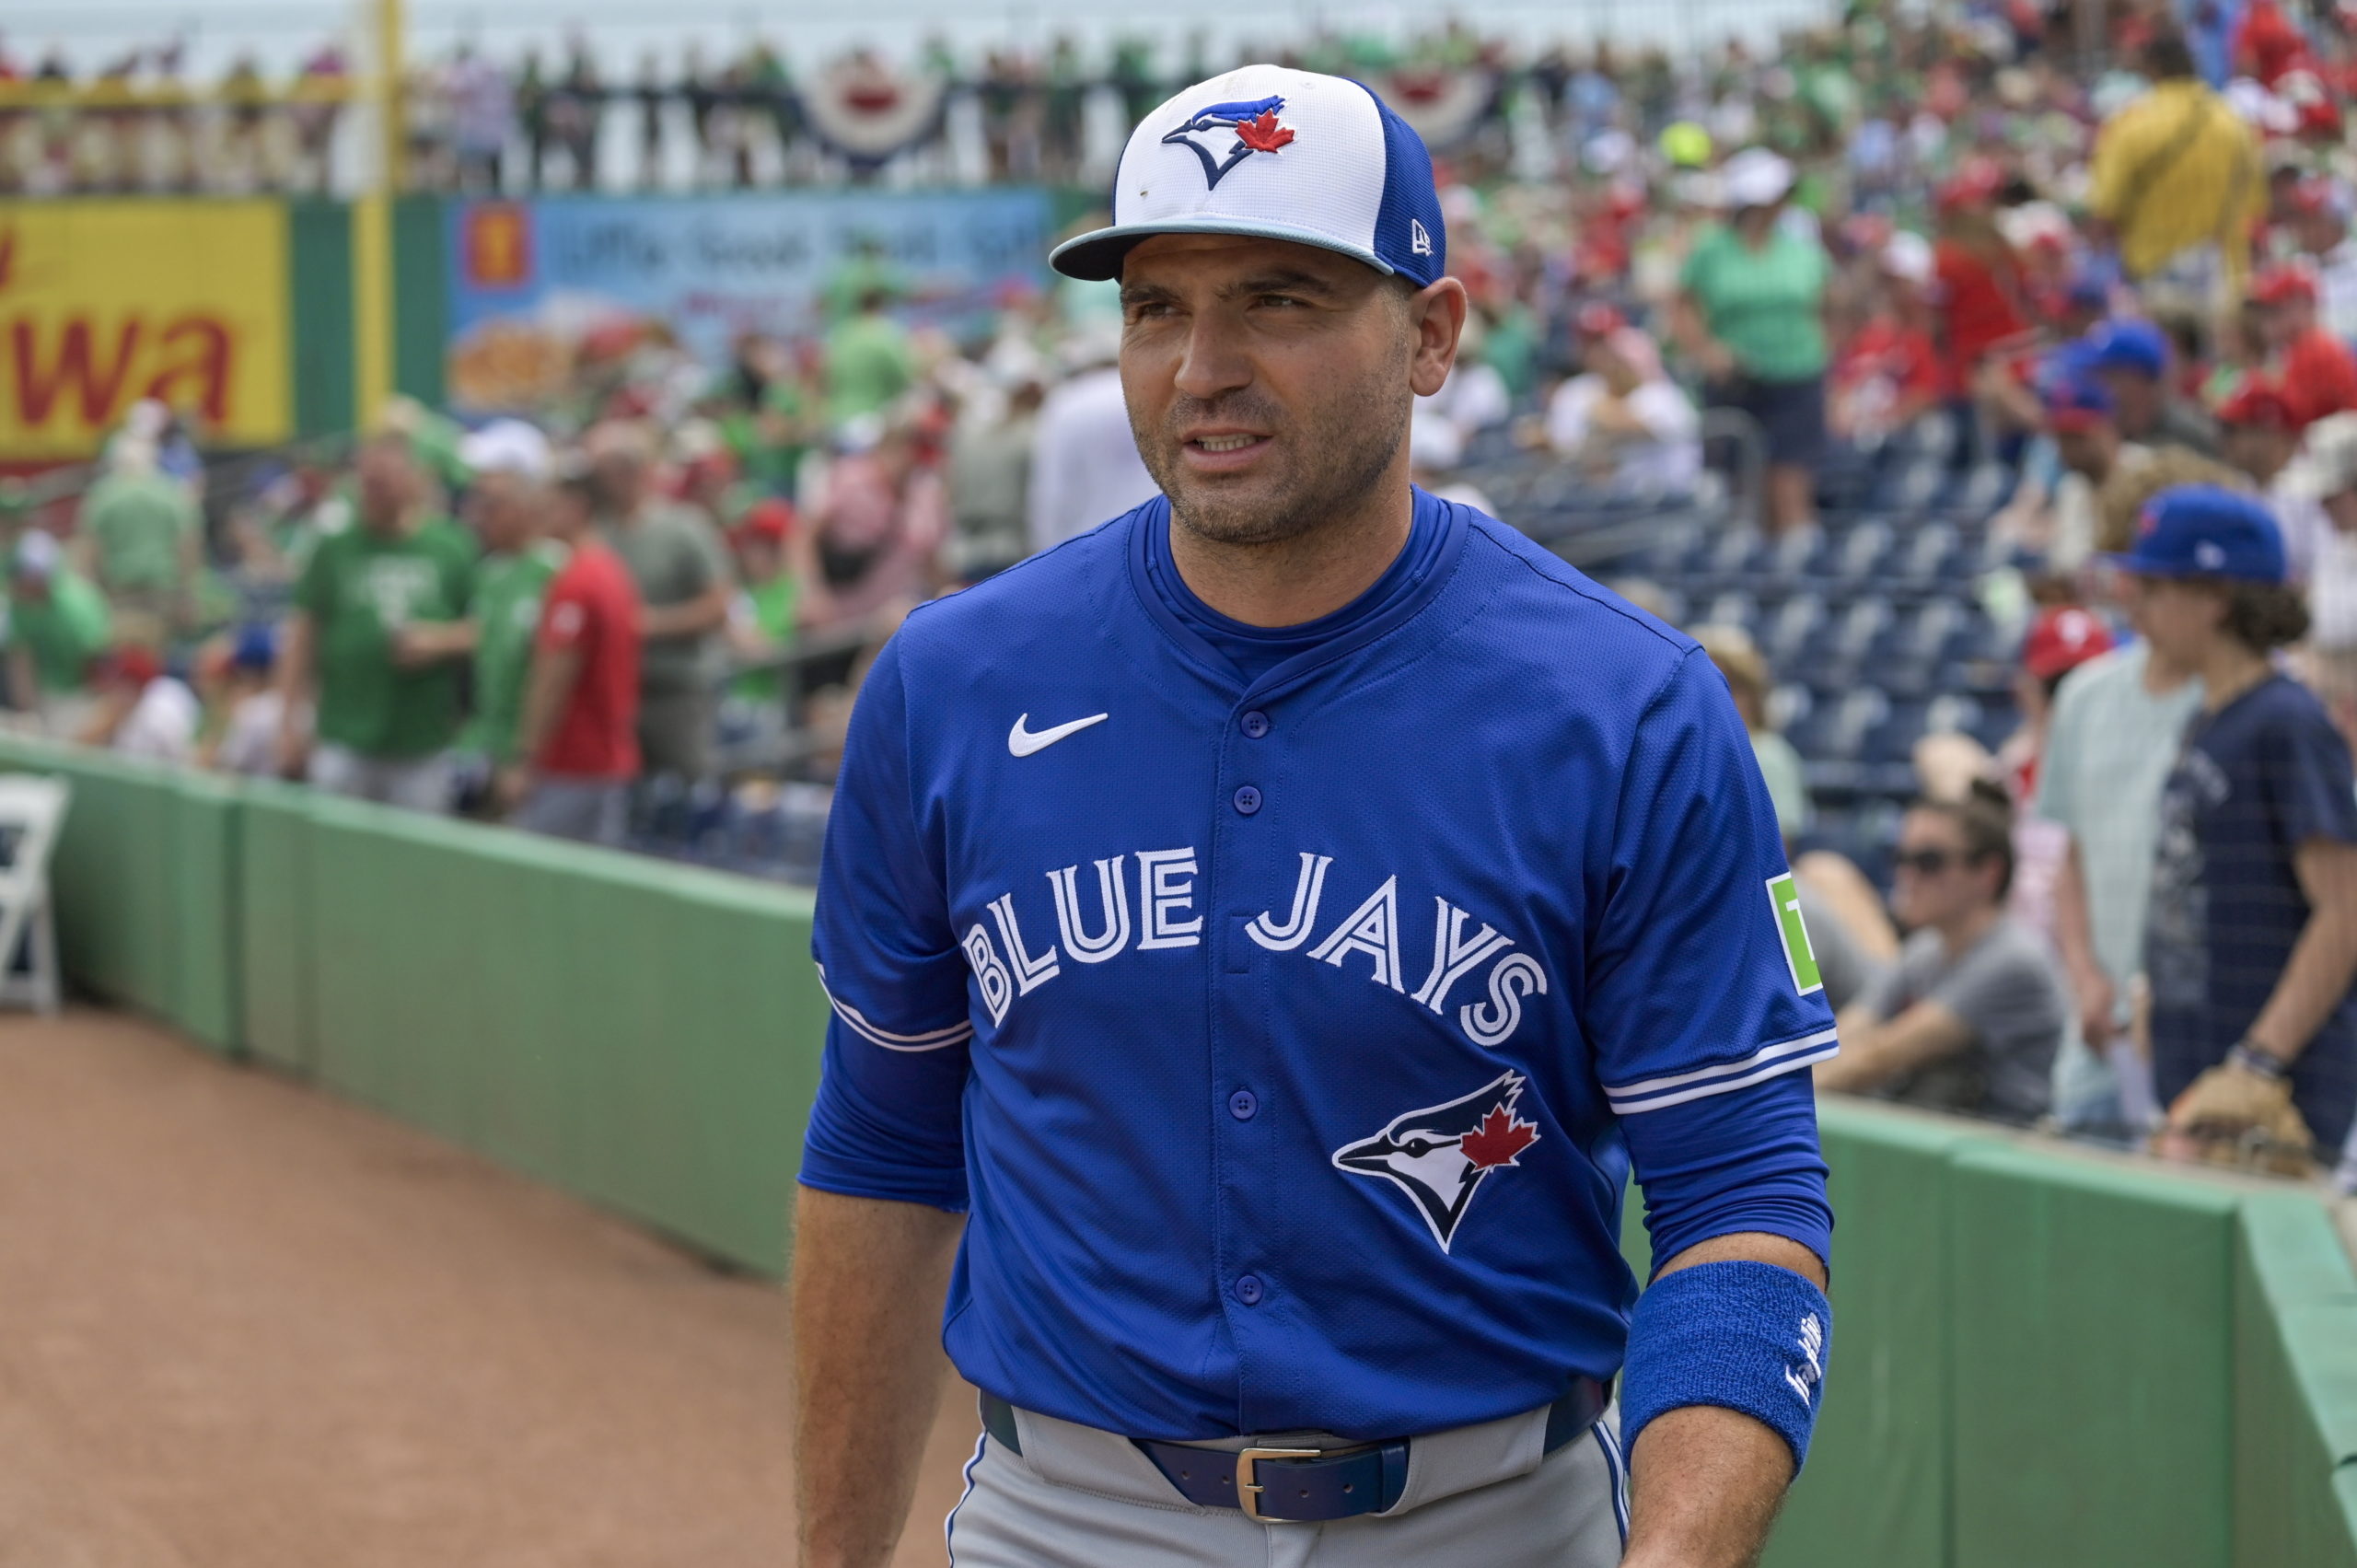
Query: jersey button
point(1256, 724)
point(1247, 800)
point(1249, 1290)
point(1242, 1106)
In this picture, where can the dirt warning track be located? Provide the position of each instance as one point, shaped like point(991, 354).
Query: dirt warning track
point(243, 1325)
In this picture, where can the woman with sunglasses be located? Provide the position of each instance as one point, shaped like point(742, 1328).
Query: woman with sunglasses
point(1970, 1017)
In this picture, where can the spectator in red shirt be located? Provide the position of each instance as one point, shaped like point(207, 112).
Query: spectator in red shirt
point(578, 735)
point(1887, 375)
point(2267, 43)
point(2314, 370)
point(1978, 289)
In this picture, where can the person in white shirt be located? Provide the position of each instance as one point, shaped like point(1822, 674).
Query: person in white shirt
point(2314, 500)
point(1624, 422)
point(143, 710)
point(1085, 467)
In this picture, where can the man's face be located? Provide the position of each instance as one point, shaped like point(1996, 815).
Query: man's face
point(2138, 397)
point(2178, 618)
point(1931, 880)
point(387, 481)
point(2282, 323)
point(1268, 384)
point(2088, 450)
point(502, 505)
point(2260, 450)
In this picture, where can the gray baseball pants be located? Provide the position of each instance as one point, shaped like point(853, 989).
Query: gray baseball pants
point(1079, 1498)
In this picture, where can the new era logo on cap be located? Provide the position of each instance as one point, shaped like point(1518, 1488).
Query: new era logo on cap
point(1278, 154)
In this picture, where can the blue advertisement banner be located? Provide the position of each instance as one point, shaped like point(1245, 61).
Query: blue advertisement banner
point(535, 285)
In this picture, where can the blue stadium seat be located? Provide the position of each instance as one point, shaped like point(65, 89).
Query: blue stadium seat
point(1784, 634)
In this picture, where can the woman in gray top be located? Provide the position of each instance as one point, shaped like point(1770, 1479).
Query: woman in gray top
point(1970, 1017)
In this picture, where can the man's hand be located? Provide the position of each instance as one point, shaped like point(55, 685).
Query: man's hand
point(2098, 1003)
point(869, 1279)
point(292, 756)
point(509, 786)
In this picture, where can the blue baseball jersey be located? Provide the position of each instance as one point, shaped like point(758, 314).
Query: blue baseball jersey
point(1287, 1036)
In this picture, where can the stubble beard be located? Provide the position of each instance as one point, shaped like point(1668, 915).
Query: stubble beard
point(1333, 456)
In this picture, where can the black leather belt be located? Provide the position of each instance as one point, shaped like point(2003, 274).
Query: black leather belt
point(1306, 1485)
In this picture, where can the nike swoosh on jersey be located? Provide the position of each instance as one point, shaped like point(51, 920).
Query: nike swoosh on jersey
point(1023, 742)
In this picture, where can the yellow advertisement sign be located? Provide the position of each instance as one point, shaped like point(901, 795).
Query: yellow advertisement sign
point(103, 303)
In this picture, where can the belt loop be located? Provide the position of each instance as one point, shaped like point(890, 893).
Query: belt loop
point(1395, 1473)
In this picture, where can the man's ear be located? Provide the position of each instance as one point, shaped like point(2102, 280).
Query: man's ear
point(1436, 316)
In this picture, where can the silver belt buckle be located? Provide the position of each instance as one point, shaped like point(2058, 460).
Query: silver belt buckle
point(1248, 1484)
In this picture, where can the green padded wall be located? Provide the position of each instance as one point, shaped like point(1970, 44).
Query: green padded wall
point(2295, 1387)
point(2092, 1334)
point(205, 869)
point(1877, 1486)
point(276, 954)
point(643, 1034)
point(146, 886)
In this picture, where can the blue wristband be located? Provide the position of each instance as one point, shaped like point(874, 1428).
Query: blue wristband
point(1745, 1336)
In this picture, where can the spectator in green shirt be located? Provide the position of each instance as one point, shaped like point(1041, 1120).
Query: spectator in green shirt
point(506, 502)
point(385, 726)
point(760, 621)
point(58, 623)
point(143, 536)
point(869, 362)
point(1750, 312)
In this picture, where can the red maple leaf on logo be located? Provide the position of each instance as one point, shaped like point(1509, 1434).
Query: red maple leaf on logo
point(1264, 134)
point(1498, 1140)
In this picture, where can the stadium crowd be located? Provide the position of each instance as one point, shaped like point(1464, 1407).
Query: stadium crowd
point(2107, 307)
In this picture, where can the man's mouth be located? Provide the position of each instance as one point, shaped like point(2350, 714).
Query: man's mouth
point(1224, 443)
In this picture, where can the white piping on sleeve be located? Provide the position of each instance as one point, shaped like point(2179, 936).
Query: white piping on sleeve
point(932, 1040)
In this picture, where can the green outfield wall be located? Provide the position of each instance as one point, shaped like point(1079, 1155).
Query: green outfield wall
point(2043, 1358)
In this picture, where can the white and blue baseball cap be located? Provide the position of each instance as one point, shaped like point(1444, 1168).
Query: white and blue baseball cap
point(1280, 155)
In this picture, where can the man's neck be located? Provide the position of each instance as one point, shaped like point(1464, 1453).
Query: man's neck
point(1959, 936)
point(2229, 671)
point(2162, 675)
point(1311, 574)
point(399, 526)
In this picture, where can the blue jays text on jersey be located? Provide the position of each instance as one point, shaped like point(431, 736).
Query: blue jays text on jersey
point(1288, 1036)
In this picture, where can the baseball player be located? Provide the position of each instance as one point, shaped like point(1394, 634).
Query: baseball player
point(1263, 934)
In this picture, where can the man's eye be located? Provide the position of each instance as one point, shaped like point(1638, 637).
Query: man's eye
point(1281, 300)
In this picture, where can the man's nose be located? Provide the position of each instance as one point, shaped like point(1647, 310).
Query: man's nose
point(1215, 361)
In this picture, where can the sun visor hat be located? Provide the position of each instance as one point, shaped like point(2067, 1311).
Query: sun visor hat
point(1274, 154)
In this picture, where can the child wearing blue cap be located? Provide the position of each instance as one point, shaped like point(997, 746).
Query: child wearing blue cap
point(2252, 940)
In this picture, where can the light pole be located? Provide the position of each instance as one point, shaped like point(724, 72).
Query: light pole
point(372, 224)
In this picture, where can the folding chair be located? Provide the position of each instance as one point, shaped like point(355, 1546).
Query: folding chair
point(32, 809)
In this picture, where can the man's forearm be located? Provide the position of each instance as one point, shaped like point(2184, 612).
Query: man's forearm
point(1705, 1482)
point(707, 612)
point(1704, 1486)
point(869, 1278)
point(2313, 981)
point(545, 691)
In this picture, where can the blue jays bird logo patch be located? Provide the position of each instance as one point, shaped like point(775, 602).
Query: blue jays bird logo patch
point(1441, 1155)
point(1256, 128)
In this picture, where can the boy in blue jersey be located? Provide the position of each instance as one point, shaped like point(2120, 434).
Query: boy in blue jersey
point(1264, 934)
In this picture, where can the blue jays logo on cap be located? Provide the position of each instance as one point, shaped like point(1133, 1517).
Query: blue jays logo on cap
point(2203, 530)
point(1441, 1155)
point(1256, 128)
point(1341, 172)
